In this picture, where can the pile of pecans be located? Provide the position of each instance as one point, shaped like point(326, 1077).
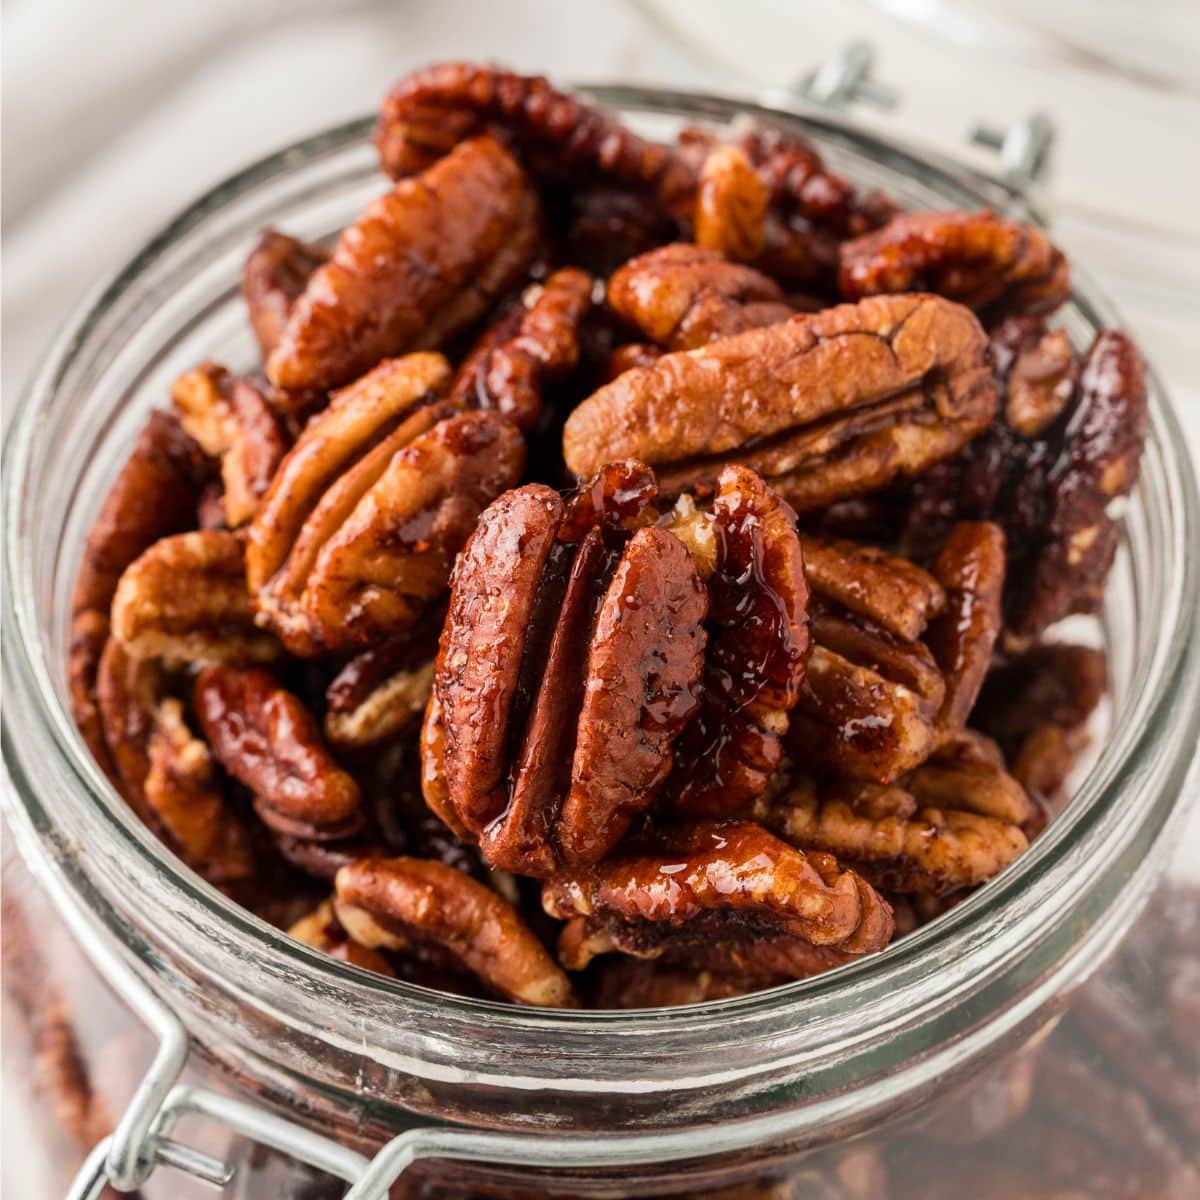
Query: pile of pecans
point(625, 580)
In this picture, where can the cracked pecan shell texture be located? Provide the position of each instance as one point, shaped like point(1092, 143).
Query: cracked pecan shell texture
point(757, 647)
point(568, 665)
point(979, 259)
point(682, 296)
point(823, 405)
point(423, 262)
point(269, 741)
point(398, 902)
point(733, 878)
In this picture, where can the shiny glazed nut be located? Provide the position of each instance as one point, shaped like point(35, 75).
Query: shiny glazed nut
point(527, 351)
point(979, 259)
point(542, 751)
point(275, 275)
point(843, 401)
point(357, 534)
point(646, 983)
point(230, 419)
point(682, 296)
point(321, 929)
point(731, 206)
point(394, 903)
point(419, 265)
point(717, 889)
point(757, 646)
point(269, 741)
point(185, 600)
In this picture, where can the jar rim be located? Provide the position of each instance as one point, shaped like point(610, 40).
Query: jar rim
point(1121, 810)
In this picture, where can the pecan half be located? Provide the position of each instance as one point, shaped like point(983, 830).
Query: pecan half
point(268, 740)
point(419, 265)
point(844, 401)
point(979, 259)
point(274, 277)
point(166, 774)
point(230, 419)
point(718, 894)
point(394, 903)
point(156, 493)
point(321, 929)
point(1050, 491)
point(683, 296)
point(872, 691)
point(757, 646)
point(185, 600)
point(357, 534)
point(645, 983)
point(731, 206)
point(541, 750)
point(520, 358)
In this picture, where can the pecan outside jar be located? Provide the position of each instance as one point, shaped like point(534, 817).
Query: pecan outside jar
point(121, 956)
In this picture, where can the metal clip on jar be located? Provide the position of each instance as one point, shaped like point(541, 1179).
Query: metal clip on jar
point(581, 1096)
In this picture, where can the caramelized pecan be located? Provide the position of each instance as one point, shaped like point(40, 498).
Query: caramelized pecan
point(718, 894)
point(843, 402)
point(420, 264)
point(165, 773)
point(275, 275)
point(979, 259)
point(645, 983)
point(394, 903)
point(230, 419)
point(731, 206)
point(540, 749)
point(269, 741)
point(683, 296)
point(515, 363)
point(321, 929)
point(357, 534)
point(185, 600)
point(757, 646)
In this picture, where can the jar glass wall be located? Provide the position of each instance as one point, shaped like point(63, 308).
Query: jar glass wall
point(808, 1064)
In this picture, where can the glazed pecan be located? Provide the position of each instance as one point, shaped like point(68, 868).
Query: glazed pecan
point(872, 691)
point(978, 259)
point(156, 493)
point(1050, 491)
point(358, 531)
point(542, 750)
point(721, 895)
point(274, 277)
point(607, 226)
point(185, 600)
point(321, 929)
point(646, 983)
point(419, 265)
point(393, 903)
point(269, 741)
point(845, 401)
point(165, 773)
point(528, 350)
point(731, 206)
point(757, 646)
point(682, 296)
point(230, 419)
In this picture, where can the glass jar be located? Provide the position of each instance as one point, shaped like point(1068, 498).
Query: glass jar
point(588, 1103)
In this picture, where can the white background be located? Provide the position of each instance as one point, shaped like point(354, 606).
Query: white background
point(117, 112)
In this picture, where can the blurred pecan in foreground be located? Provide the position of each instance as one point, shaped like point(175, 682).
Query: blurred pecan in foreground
point(269, 741)
point(231, 420)
point(1049, 488)
point(682, 296)
point(718, 895)
point(166, 773)
point(185, 600)
point(953, 823)
point(398, 902)
point(979, 259)
point(757, 645)
point(568, 666)
point(844, 401)
point(359, 529)
point(420, 264)
point(275, 275)
point(527, 350)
